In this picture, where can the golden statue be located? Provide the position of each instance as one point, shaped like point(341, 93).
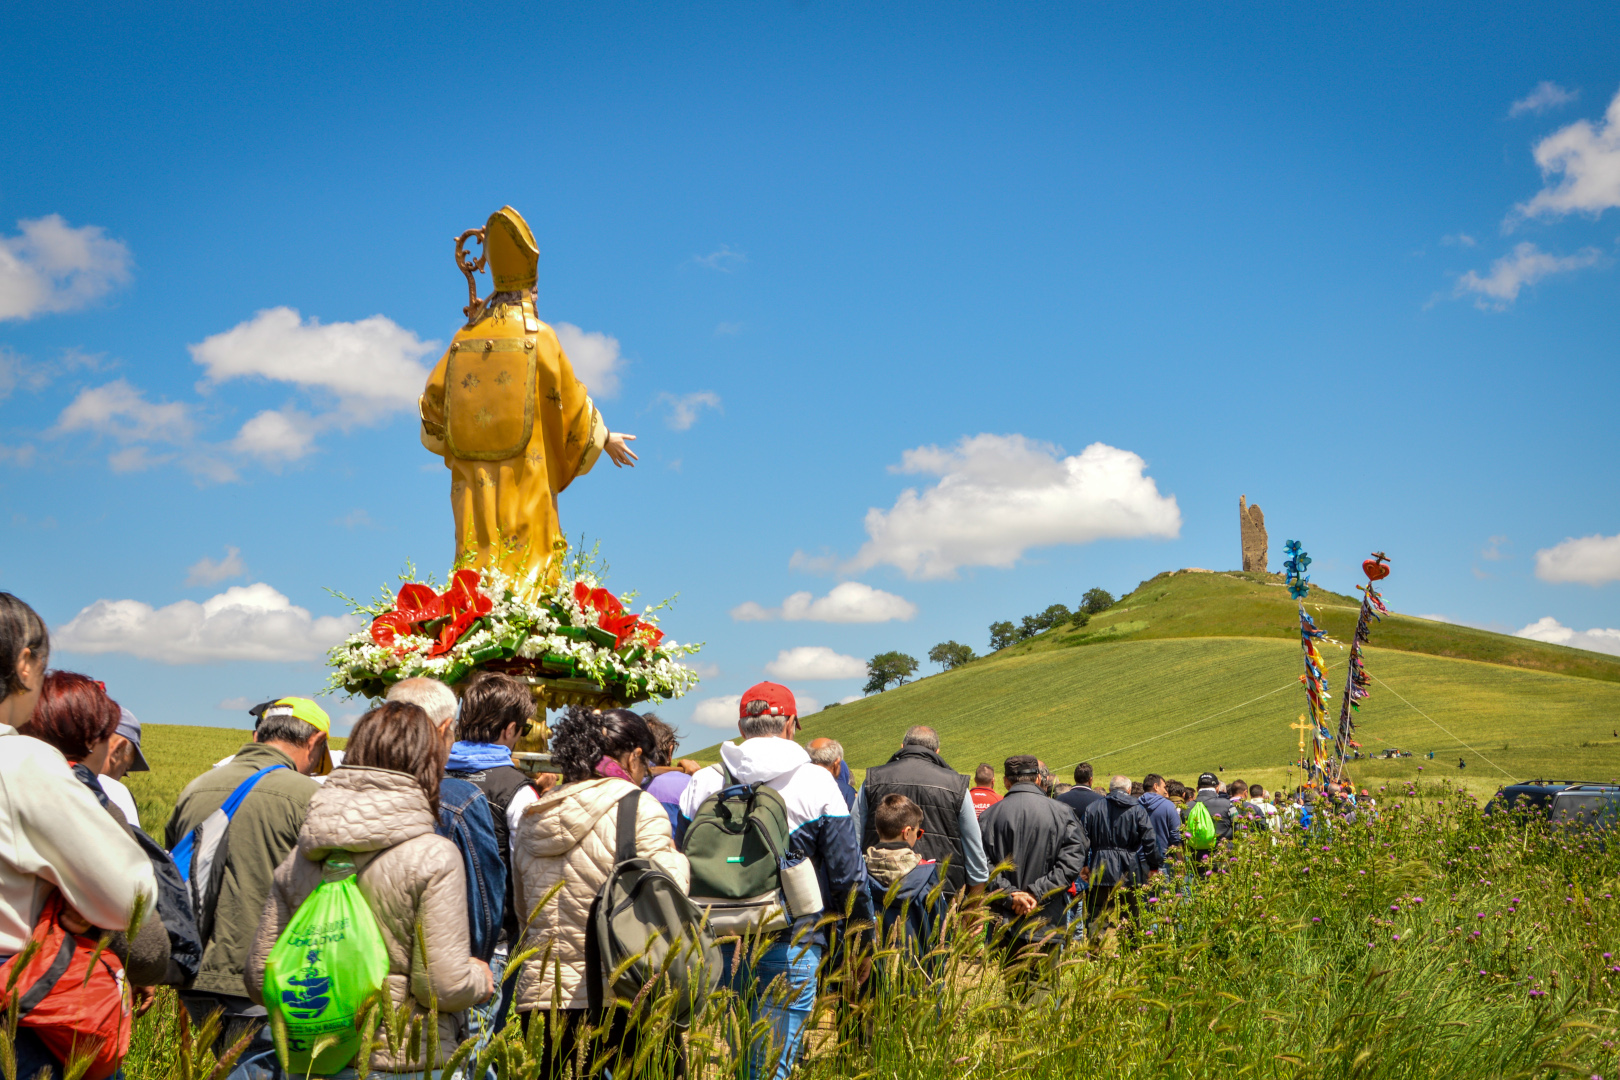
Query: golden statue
point(506, 412)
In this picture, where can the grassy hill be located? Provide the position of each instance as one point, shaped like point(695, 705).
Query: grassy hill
point(1197, 671)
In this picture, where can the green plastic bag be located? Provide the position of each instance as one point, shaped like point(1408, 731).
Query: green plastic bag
point(323, 972)
point(1200, 828)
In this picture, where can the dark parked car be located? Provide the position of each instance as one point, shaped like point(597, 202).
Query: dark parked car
point(1586, 802)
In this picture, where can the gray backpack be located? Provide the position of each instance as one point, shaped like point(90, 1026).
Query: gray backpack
point(644, 937)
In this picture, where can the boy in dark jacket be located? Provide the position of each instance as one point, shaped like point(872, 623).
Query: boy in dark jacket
point(902, 884)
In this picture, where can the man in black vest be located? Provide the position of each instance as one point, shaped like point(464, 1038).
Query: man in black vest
point(950, 823)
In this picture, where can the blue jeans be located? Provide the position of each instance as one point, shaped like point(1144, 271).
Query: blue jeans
point(782, 988)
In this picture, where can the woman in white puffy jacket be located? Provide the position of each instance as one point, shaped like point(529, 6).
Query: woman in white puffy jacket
point(569, 836)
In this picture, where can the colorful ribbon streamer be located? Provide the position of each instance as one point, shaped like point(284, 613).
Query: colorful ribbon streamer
point(1320, 762)
point(1356, 679)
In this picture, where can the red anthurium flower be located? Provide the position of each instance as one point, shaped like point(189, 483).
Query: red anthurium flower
point(448, 633)
point(622, 627)
point(385, 628)
point(418, 602)
point(463, 591)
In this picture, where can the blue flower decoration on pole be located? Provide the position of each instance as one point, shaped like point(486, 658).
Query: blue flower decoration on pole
point(1294, 570)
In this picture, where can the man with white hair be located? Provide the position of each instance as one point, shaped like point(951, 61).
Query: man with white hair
point(779, 981)
point(1124, 850)
point(829, 754)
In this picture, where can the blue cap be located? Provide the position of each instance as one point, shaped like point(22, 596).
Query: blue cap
point(130, 728)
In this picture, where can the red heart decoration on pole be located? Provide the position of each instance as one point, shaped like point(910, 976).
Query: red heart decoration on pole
point(1375, 570)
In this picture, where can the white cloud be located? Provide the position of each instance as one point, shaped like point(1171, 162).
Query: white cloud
point(1549, 629)
point(357, 518)
point(20, 456)
point(594, 356)
point(276, 436)
point(704, 670)
point(245, 622)
point(815, 662)
point(1526, 265)
point(1000, 495)
point(236, 704)
point(51, 266)
point(1461, 239)
point(122, 412)
point(849, 602)
point(724, 258)
point(369, 369)
point(206, 571)
point(684, 408)
point(728, 329)
point(847, 699)
point(718, 712)
point(1495, 549)
point(1590, 560)
point(18, 371)
point(1586, 160)
point(806, 704)
point(1546, 95)
point(15, 371)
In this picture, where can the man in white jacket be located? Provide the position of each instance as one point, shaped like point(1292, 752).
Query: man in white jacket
point(819, 829)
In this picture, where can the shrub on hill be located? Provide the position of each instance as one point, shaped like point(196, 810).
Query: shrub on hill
point(950, 655)
point(886, 668)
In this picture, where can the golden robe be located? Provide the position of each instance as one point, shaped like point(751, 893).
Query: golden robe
point(515, 427)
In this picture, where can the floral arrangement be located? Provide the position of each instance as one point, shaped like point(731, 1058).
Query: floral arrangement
point(486, 619)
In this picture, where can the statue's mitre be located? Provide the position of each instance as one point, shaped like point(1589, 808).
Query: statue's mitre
point(514, 257)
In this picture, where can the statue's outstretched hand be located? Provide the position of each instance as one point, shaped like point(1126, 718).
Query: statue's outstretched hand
point(618, 449)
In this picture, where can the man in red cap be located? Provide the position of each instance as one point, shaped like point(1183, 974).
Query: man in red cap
point(820, 830)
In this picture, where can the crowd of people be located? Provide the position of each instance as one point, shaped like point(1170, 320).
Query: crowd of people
point(467, 863)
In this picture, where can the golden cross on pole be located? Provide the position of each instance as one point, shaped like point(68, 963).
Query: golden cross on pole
point(1302, 727)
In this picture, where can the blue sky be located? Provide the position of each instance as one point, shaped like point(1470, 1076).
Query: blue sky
point(1075, 277)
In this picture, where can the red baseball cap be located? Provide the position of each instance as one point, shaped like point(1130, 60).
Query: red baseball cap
point(778, 699)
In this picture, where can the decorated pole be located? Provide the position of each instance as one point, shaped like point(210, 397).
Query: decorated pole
point(1355, 677)
point(1314, 677)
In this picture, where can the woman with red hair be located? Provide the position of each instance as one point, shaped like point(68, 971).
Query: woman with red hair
point(75, 715)
point(54, 835)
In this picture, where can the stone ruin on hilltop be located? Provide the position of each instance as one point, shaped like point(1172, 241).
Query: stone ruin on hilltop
point(1252, 526)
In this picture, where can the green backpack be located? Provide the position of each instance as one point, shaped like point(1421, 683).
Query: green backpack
point(736, 843)
point(324, 971)
point(1200, 828)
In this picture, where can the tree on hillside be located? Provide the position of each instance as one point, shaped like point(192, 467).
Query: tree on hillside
point(949, 655)
point(1002, 634)
point(1055, 615)
point(886, 668)
point(1096, 601)
point(1080, 619)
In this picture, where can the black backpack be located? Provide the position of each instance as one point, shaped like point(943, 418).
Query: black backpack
point(644, 937)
